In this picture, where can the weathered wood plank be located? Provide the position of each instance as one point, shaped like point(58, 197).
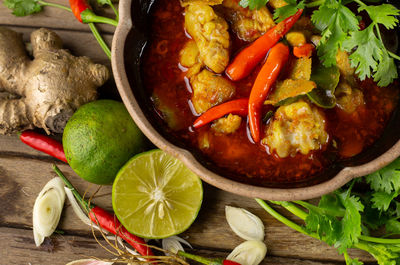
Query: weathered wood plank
point(21, 179)
point(79, 43)
point(17, 247)
point(10, 144)
point(52, 17)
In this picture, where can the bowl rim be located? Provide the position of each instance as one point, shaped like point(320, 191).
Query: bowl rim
point(118, 67)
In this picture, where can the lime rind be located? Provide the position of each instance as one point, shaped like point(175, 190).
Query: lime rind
point(156, 196)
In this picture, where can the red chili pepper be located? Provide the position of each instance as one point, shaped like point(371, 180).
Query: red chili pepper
point(107, 221)
point(230, 262)
point(267, 76)
point(304, 51)
point(250, 56)
point(78, 6)
point(238, 106)
point(44, 144)
point(110, 223)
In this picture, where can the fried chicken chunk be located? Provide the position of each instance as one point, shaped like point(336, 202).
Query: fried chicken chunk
point(227, 125)
point(210, 33)
point(209, 90)
point(247, 24)
point(298, 127)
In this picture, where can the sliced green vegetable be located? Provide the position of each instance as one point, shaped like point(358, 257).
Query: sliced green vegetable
point(327, 79)
point(289, 91)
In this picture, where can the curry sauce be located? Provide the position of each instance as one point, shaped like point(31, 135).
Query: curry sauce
point(170, 90)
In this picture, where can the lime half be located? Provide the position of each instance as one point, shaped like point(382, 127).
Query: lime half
point(156, 196)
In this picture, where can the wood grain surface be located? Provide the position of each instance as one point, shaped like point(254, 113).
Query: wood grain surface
point(24, 171)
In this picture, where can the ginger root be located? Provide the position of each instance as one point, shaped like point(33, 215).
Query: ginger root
point(46, 91)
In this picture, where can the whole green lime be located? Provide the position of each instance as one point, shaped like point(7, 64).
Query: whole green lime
point(99, 139)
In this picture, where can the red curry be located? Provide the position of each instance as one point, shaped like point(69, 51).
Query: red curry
point(236, 153)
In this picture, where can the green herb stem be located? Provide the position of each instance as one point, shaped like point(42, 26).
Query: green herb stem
point(292, 208)
point(199, 258)
point(315, 3)
point(395, 56)
point(84, 203)
point(284, 220)
point(114, 9)
point(43, 3)
point(100, 40)
point(88, 16)
point(379, 240)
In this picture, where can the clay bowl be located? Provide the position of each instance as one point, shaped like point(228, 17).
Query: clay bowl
point(129, 40)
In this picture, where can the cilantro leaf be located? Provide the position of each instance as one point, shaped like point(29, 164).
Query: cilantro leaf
point(384, 14)
point(253, 4)
point(351, 222)
point(386, 70)
point(393, 226)
point(335, 21)
point(22, 8)
point(381, 200)
point(289, 10)
point(368, 52)
point(384, 254)
point(387, 179)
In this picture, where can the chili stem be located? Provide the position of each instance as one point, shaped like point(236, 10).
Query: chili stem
point(89, 17)
point(84, 204)
point(100, 40)
point(114, 9)
point(54, 5)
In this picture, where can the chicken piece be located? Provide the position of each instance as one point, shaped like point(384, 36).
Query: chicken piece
point(301, 69)
point(185, 3)
point(301, 32)
point(189, 55)
point(298, 127)
point(190, 58)
point(296, 38)
point(343, 63)
point(277, 3)
point(211, 35)
point(247, 24)
point(227, 125)
point(348, 98)
point(209, 90)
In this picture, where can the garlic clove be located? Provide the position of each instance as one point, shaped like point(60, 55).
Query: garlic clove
point(89, 262)
point(173, 244)
point(245, 224)
point(47, 210)
point(249, 253)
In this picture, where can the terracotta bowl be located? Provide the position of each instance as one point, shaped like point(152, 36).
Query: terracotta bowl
point(129, 40)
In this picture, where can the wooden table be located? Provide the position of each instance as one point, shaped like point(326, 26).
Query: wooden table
point(24, 171)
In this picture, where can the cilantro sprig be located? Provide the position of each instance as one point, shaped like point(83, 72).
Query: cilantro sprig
point(346, 218)
point(339, 28)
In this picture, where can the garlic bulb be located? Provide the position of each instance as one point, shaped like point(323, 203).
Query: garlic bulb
point(245, 224)
point(173, 244)
point(89, 262)
point(249, 253)
point(47, 209)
